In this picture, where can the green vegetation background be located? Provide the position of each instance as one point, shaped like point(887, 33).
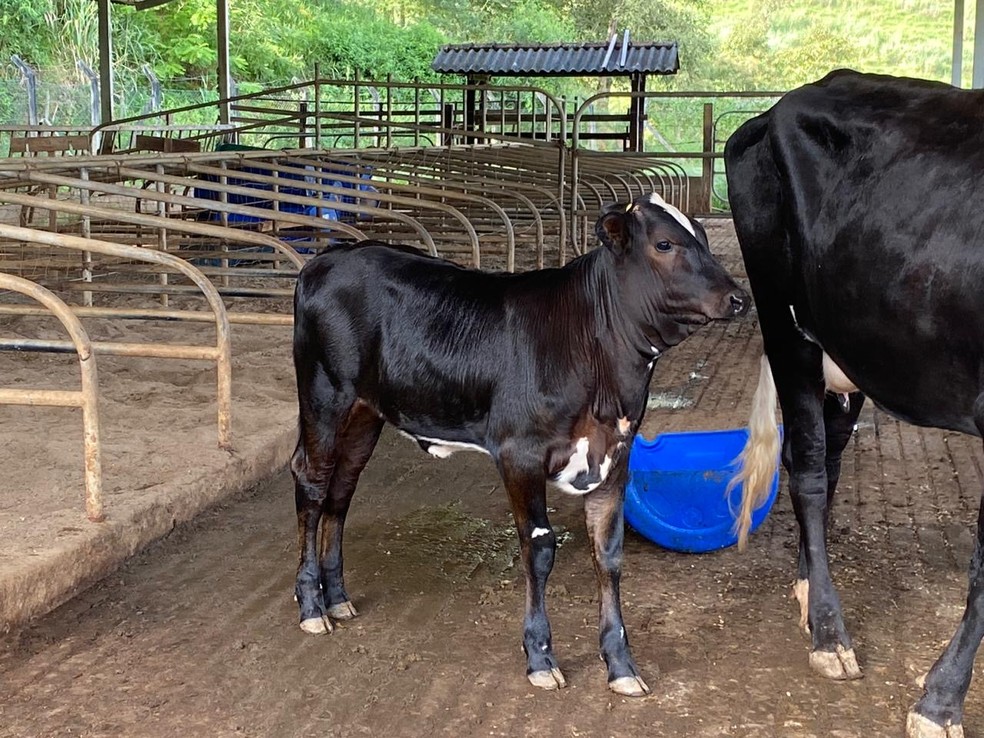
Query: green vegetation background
point(724, 44)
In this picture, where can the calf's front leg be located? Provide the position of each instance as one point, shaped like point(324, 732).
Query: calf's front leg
point(604, 518)
point(526, 487)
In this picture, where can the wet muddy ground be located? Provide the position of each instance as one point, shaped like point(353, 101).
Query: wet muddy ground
point(197, 636)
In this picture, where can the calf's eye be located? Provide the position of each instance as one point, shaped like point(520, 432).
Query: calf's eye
point(664, 246)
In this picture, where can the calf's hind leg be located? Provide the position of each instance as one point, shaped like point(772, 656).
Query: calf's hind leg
point(328, 417)
point(603, 516)
point(356, 441)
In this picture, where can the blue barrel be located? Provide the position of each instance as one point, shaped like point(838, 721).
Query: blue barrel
point(676, 494)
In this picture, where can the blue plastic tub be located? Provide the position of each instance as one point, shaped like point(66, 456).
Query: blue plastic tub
point(675, 496)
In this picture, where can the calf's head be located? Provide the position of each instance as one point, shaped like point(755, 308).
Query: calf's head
point(668, 278)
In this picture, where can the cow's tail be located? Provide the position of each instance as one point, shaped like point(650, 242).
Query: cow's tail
point(758, 459)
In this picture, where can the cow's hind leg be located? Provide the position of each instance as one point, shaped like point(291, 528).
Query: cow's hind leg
point(603, 515)
point(939, 713)
point(526, 486)
point(839, 424)
point(796, 367)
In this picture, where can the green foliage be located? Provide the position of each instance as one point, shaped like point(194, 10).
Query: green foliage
point(724, 44)
point(779, 45)
point(22, 30)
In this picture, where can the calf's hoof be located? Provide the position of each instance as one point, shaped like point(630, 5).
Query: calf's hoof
point(544, 679)
point(629, 686)
point(919, 726)
point(840, 664)
point(317, 626)
point(342, 611)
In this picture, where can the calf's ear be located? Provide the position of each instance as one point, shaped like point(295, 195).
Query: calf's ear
point(699, 231)
point(612, 227)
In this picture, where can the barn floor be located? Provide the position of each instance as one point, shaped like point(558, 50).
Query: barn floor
point(197, 635)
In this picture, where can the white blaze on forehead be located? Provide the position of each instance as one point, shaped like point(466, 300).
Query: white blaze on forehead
point(679, 217)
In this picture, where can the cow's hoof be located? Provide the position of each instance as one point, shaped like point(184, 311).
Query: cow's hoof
point(919, 726)
point(840, 664)
point(317, 626)
point(630, 686)
point(342, 611)
point(544, 679)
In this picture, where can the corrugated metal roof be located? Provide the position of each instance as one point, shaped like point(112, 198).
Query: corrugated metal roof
point(570, 59)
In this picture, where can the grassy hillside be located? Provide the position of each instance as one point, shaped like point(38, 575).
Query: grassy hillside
point(787, 43)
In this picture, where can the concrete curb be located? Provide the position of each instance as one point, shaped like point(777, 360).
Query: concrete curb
point(55, 575)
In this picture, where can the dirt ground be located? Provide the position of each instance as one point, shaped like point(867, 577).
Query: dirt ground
point(197, 636)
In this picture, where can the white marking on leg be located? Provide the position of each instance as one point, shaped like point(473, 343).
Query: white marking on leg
point(578, 464)
point(537, 532)
point(673, 212)
point(603, 469)
point(624, 425)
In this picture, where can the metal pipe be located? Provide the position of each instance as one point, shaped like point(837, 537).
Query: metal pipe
point(87, 398)
point(223, 347)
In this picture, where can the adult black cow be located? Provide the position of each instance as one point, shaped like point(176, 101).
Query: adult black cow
point(856, 203)
point(547, 372)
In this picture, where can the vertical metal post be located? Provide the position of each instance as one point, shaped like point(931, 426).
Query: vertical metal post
point(637, 113)
point(978, 76)
point(356, 111)
point(106, 86)
point(707, 165)
point(956, 66)
point(222, 39)
point(95, 101)
point(302, 125)
point(156, 96)
point(31, 82)
point(86, 232)
point(317, 105)
point(224, 218)
point(161, 231)
point(389, 111)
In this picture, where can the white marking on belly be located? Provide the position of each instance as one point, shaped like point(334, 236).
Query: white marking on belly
point(537, 532)
point(679, 217)
point(443, 449)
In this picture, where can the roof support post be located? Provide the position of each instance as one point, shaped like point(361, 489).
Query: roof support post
point(106, 86)
point(222, 45)
point(956, 70)
point(978, 77)
point(637, 113)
